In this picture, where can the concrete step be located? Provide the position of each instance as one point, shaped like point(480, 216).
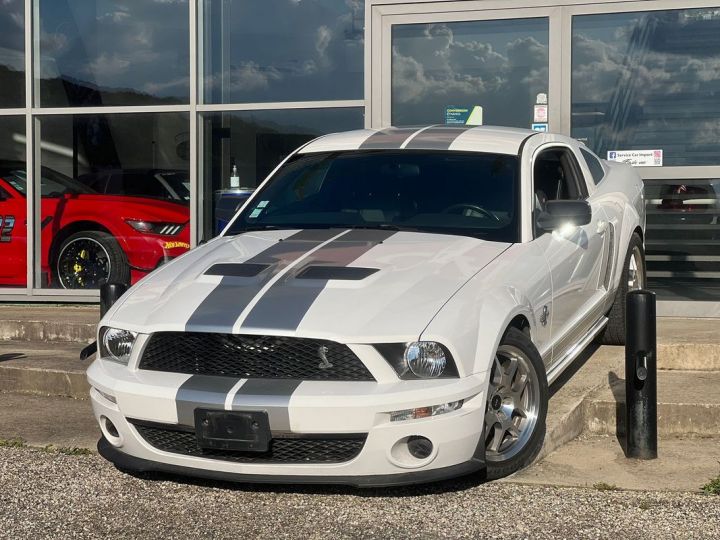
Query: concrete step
point(688, 404)
point(68, 323)
point(599, 461)
point(50, 368)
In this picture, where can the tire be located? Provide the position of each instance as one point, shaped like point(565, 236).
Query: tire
point(87, 259)
point(614, 333)
point(503, 455)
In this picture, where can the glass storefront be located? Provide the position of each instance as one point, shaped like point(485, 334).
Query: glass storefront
point(112, 52)
point(115, 196)
point(499, 65)
point(145, 124)
point(12, 53)
point(13, 207)
point(280, 50)
point(241, 148)
point(649, 81)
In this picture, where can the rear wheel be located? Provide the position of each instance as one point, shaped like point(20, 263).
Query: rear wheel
point(87, 259)
point(516, 406)
point(632, 278)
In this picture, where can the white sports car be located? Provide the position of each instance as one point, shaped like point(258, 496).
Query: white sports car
point(388, 307)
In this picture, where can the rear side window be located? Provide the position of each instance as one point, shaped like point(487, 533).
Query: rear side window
point(593, 163)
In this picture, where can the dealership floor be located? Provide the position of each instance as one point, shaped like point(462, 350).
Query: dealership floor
point(582, 487)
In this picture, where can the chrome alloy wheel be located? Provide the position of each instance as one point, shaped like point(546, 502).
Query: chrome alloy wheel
point(83, 263)
point(636, 271)
point(512, 405)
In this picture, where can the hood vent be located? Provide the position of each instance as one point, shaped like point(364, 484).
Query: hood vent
point(347, 273)
point(236, 269)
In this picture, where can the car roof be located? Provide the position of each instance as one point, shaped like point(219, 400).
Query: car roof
point(491, 139)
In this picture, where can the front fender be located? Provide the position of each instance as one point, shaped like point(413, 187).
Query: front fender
point(471, 326)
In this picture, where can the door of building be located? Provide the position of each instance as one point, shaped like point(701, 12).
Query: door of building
point(490, 67)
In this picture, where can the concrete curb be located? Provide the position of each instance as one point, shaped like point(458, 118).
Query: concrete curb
point(48, 382)
point(47, 331)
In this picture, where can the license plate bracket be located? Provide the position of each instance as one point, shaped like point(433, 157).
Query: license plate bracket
point(242, 431)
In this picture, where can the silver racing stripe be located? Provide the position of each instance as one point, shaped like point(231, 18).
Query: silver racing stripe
point(222, 307)
point(201, 392)
point(271, 395)
point(285, 304)
point(387, 138)
point(436, 138)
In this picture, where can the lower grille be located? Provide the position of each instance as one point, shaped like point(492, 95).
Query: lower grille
point(328, 449)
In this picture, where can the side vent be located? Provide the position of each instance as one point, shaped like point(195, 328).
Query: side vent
point(610, 257)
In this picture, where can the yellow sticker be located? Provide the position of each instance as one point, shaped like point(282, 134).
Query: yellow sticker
point(171, 245)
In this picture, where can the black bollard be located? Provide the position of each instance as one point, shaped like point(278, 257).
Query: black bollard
point(640, 375)
point(109, 294)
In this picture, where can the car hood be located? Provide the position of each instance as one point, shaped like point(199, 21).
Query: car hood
point(356, 286)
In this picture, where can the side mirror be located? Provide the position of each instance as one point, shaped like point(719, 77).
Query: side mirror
point(561, 213)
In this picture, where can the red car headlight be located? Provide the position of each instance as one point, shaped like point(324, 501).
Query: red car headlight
point(155, 227)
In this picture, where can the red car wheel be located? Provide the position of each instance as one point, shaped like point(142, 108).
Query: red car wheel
point(87, 259)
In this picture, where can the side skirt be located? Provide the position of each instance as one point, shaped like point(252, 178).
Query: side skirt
point(573, 352)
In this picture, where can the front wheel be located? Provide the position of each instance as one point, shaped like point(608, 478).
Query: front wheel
point(516, 406)
point(88, 259)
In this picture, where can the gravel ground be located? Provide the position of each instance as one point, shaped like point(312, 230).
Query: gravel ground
point(51, 495)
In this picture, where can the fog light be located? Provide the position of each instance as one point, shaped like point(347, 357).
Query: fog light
point(424, 412)
point(419, 447)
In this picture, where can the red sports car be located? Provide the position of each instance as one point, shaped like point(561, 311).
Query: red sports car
point(86, 237)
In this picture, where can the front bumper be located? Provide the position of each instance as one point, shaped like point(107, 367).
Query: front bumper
point(330, 408)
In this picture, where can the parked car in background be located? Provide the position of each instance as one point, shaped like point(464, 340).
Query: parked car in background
point(169, 184)
point(389, 307)
point(86, 237)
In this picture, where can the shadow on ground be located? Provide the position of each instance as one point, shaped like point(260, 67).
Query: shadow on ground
point(11, 356)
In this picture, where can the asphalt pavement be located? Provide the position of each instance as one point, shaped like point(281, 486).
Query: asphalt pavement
point(46, 494)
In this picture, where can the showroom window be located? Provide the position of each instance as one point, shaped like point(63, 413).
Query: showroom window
point(13, 206)
point(282, 50)
point(242, 148)
point(648, 80)
point(112, 52)
point(274, 75)
point(124, 175)
point(12, 53)
point(499, 65)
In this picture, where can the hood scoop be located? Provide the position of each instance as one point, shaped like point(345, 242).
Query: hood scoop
point(236, 269)
point(346, 273)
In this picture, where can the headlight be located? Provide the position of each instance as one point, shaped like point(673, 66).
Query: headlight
point(155, 227)
point(116, 344)
point(419, 359)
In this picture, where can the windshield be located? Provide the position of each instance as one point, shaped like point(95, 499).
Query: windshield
point(465, 193)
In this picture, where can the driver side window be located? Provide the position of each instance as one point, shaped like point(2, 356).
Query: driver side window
point(556, 176)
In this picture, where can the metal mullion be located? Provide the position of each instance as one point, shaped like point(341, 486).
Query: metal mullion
point(13, 112)
point(224, 107)
point(120, 109)
point(30, 220)
point(194, 177)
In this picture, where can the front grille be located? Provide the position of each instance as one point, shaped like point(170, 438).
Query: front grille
point(247, 357)
point(296, 450)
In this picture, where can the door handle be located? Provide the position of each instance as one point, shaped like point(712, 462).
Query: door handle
point(602, 227)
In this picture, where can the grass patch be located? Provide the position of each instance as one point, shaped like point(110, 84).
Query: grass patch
point(713, 486)
point(604, 486)
point(15, 442)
